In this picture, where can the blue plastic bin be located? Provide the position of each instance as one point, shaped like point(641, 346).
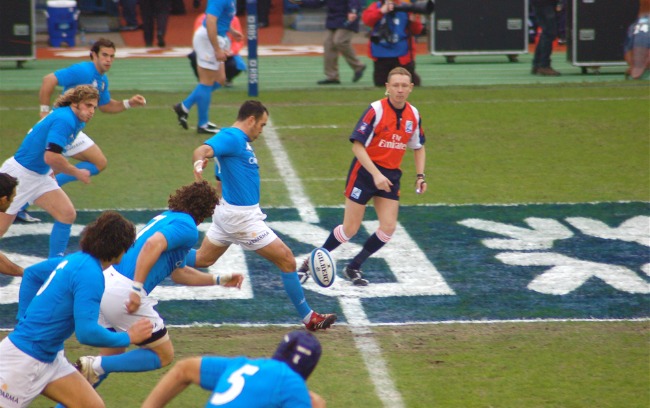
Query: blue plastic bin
point(62, 16)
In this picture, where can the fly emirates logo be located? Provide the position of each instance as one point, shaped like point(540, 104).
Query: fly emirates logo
point(395, 142)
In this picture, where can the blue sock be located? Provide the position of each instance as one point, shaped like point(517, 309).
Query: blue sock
point(59, 239)
point(66, 178)
point(133, 361)
point(216, 86)
point(294, 290)
point(203, 98)
point(192, 97)
point(190, 258)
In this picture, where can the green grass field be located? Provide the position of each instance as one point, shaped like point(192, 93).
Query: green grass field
point(568, 143)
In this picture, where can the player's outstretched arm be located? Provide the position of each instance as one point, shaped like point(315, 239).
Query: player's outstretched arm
point(200, 159)
point(115, 106)
point(181, 375)
point(189, 276)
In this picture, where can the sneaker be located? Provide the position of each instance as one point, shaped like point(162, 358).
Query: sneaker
point(320, 321)
point(24, 216)
point(356, 276)
point(357, 75)
point(303, 272)
point(209, 128)
point(182, 115)
point(85, 366)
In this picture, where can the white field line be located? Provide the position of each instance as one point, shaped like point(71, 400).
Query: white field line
point(352, 309)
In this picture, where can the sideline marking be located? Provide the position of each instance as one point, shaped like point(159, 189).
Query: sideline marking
point(352, 309)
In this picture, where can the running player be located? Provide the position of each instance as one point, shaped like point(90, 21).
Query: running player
point(93, 73)
point(379, 141)
point(67, 302)
point(238, 219)
point(40, 154)
point(212, 47)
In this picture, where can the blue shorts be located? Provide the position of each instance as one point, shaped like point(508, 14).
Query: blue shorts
point(360, 186)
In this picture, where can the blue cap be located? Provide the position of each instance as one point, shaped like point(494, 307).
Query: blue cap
point(301, 350)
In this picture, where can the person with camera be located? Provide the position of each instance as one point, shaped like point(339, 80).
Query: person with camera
point(392, 41)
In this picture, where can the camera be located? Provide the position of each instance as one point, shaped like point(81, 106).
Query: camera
point(418, 7)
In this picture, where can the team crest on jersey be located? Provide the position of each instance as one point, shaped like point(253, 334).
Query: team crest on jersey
point(409, 126)
point(94, 84)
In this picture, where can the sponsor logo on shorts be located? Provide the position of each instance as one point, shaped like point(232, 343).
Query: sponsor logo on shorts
point(258, 238)
point(7, 395)
point(356, 192)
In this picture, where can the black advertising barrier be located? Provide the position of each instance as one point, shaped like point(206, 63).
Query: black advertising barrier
point(479, 27)
point(596, 31)
point(17, 31)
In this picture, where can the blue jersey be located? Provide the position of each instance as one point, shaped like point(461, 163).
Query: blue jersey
point(84, 73)
point(60, 127)
point(236, 166)
point(179, 229)
point(242, 382)
point(33, 278)
point(67, 302)
point(224, 10)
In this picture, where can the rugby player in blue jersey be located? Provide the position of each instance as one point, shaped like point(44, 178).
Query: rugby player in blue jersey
point(41, 154)
point(67, 302)
point(238, 218)
point(8, 186)
point(93, 72)
point(242, 382)
point(159, 251)
point(212, 47)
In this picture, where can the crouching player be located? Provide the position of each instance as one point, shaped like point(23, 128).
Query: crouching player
point(32, 358)
point(159, 251)
point(244, 382)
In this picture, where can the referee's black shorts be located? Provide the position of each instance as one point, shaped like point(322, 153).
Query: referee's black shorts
point(360, 187)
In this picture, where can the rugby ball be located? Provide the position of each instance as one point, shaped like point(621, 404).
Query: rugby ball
point(322, 267)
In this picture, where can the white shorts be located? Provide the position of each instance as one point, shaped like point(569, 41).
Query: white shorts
point(240, 225)
point(79, 144)
point(31, 185)
point(23, 378)
point(205, 57)
point(112, 311)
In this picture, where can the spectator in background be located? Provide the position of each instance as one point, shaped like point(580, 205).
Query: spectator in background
point(154, 13)
point(392, 41)
point(546, 18)
point(637, 44)
point(263, 11)
point(342, 23)
point(129, 14)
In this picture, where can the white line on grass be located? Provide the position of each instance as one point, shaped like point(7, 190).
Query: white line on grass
point(352, 309)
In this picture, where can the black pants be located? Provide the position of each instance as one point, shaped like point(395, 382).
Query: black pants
point(154, 12)
point(384, 65)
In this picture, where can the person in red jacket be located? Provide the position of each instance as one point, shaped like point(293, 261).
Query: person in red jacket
point(392, 41)
point(379, 141)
